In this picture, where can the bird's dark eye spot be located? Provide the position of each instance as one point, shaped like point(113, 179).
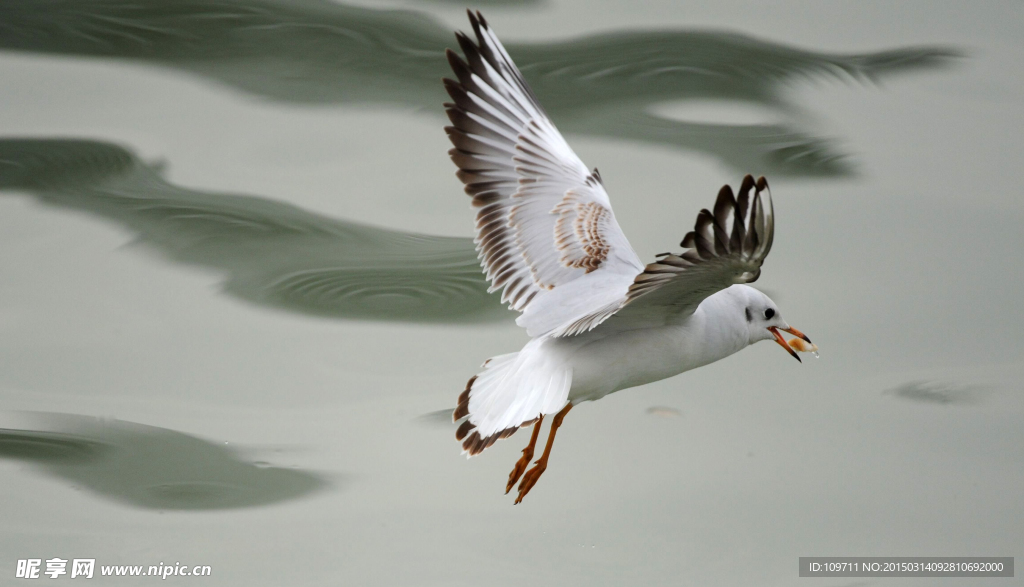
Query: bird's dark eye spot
point(750, 317)
point(769, 313)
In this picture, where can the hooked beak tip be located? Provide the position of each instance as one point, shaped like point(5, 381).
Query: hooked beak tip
point(796, 332)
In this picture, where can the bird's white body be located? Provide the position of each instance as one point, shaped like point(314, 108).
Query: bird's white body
point(551, 371)
point(605, 361)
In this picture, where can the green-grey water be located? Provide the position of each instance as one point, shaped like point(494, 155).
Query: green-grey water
point(239, 291)
point(273, 253)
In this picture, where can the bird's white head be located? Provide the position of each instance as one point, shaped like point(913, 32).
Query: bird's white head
point(764, 321)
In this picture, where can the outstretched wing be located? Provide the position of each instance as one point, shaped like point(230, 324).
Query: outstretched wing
point(726, 247)
point(545, 220)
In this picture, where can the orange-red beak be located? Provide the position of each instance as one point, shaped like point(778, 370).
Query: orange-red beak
point(782, 341)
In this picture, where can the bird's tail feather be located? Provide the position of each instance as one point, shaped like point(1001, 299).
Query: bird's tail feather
point(512, 391)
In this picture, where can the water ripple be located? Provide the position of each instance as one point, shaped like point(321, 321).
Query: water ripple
point(936, 392)
point(318, 52)
point(272, 253)
point(145, 466)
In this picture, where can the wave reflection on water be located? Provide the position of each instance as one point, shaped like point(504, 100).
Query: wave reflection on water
point(939, 393)
point(146, 466)
point(318, 52)
point(273, 253)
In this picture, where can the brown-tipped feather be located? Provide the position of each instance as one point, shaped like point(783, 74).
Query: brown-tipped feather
point(488, 214)
point(503, 149)
point(739, 228)
point(725, 205)
point(459, 66)
point(747, 184)
point(704, 246)
point(464, 430)
point(750, 245)
point(462, 408)
point(476, 444)
point(529, 298)
point(484, 189)
point(713, 260)
point(468, 49)
point(688, 241)
point(467, 432)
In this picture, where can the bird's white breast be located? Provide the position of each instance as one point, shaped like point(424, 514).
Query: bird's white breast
point(603, 363)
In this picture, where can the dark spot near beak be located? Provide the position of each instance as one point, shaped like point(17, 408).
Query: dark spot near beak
point(750, 317)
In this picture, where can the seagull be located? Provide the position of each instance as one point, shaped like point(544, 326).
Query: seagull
point(600, 321)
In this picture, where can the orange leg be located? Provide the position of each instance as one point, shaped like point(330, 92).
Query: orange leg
point(524, 460)
point(531, 476)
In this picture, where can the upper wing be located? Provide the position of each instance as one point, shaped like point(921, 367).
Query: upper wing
point(726, 247)
point(545, 221)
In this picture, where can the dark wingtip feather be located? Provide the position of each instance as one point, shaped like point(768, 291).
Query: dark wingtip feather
point(475, 20)
point(464, 430)
point(747, 183)
point(459, 66)
point(467, 432)
point(476, 444)
point(725, 194)
point(462, 408)
point(743, 238)
point(743, 251)
point(454, 89)
point(725, 204)
point(705, 248)
point(752, 240)
point(466, 44)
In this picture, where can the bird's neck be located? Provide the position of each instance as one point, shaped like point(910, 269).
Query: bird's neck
point(721, 329)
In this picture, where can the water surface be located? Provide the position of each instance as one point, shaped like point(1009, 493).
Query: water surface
point(239, 291)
